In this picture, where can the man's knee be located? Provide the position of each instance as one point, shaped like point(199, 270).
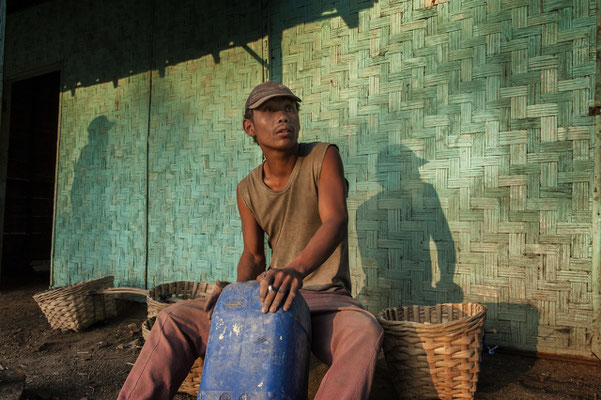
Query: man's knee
point(372, 331)
point(364, 328)
point(171, 313)
point(187, 318)
point(186, 309)
point(163, 323)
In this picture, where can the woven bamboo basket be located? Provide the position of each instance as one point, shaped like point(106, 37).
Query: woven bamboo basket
point(74, 307)
point(124, 290)
point(147, 326)
point(162, 296)
point(434, 352)
point(191, 384)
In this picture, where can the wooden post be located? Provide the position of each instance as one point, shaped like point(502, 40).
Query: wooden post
point(2, 34)
point(596, 261)
point(3, 140)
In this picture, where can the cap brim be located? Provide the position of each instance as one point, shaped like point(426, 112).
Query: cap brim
point(271, 96)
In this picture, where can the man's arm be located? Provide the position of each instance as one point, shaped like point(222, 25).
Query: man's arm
point(334, 217)
point(252, 261)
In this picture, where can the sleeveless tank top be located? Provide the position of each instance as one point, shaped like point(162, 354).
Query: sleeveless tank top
point(290, 218)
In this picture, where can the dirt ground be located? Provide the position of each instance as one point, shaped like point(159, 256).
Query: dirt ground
point(93, 364)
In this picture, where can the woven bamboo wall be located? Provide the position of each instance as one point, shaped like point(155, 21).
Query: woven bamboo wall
point(466, 138)
point(100, 221)
point(198, 151)
point(463, 127)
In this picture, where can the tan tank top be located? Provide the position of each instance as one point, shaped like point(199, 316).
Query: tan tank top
point(290, 217)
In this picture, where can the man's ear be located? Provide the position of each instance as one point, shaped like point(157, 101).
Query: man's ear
point(249, 127)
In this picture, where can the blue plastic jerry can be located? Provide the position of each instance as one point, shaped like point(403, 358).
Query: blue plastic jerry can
point(256, 356)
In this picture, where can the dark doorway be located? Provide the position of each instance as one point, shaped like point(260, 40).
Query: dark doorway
point(27, 231)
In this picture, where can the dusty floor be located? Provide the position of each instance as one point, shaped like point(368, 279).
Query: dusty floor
point(94, 363)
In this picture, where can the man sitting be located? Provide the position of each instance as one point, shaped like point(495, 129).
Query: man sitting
point(297, 196)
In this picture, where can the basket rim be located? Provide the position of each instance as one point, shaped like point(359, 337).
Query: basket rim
point(201, 289)
point(72, 307)
point(48, 293)
point(177, 282)
point(384, 321)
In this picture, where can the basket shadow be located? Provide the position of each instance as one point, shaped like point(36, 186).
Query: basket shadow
point(511, 321)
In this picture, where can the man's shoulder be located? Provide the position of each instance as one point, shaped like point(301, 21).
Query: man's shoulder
point(315, 149)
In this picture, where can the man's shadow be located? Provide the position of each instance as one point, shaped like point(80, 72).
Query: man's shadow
point(408, 258)
point(406, 246)
point(89, 222)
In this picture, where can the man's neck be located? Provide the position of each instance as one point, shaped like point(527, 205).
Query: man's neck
point(278, 166)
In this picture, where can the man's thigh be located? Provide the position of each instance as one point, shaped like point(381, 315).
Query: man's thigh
point(337, 333)
point(186, 320)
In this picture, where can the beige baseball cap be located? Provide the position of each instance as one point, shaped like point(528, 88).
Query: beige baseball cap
point(268, 90)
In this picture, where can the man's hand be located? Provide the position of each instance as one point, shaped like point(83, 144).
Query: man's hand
point(278, 284)
point(210, 304)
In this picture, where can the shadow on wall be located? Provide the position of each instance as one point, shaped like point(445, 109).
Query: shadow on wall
point(510, 321)
point(90, 195)
point(226, 26)
point(407, 249)
point(288, 14)
point(143, 35)
point(407, 255)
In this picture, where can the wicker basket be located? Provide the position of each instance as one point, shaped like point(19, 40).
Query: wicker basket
point(191, 384)
point(125, 290)
point(434, 351)
point(147, 326)
point(72, 306)
point(161, 296)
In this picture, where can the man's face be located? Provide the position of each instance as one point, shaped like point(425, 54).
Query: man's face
point(275, 124)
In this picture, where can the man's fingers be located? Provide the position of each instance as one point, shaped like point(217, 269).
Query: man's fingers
point(264, 287)
point(275, 289)
point(277, 301)
point(289, 300)
point(291, 295)
point(269, 297)
point(286, 294)
point(275, 292)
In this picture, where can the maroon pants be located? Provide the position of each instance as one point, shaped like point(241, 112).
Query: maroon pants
point(344, 336)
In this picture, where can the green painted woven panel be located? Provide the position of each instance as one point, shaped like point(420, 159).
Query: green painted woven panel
point(465, 134)
point(100, 223)
point(198, 151)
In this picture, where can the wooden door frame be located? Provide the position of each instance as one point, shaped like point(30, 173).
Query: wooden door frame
point(596, 195)
point(4, 143)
